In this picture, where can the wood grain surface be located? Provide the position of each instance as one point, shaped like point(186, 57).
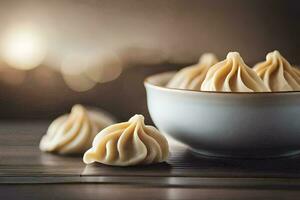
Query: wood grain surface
point(132, 192)
point(22, 162)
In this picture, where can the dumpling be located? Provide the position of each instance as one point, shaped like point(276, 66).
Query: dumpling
point(191, 77)
point(73, 133)
point(128, 143)
point(278, 74)
point(232, 75)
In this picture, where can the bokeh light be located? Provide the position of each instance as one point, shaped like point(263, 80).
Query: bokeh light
point(79, 83)
point(74, 64)
point(12, 76)
point(82, 71)
point(23, 48)
point(107, 67)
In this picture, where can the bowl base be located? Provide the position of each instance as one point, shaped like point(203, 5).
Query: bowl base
point(211, 154)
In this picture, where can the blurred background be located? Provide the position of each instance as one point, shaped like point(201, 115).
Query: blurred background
point(97, 52)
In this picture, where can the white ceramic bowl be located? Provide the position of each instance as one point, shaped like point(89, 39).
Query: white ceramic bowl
point(226, 124)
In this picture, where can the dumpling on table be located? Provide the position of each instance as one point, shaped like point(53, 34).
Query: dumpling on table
point(128, 143)
point(73, 133)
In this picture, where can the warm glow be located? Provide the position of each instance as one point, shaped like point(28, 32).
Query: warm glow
point(23, 48)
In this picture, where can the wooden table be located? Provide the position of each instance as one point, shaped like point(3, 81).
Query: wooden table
point(27, 173)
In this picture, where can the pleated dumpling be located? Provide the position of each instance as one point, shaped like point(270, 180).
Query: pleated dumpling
point(128, 143)
point(278, 74)
point(232, 75)
point(191, 77)
point(73, 133)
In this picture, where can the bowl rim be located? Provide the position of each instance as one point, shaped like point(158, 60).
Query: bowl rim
point(148, 83)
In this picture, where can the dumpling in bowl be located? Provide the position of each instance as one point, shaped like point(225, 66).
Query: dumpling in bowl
point(232, 75)
point(278, 74)
point(191, 77)
point(128, 143)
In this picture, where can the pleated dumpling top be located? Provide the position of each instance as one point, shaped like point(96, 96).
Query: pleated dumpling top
point(191, 77)
point(73, 133)
point(278, 74)
point(232, 75)
point(128, 143)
